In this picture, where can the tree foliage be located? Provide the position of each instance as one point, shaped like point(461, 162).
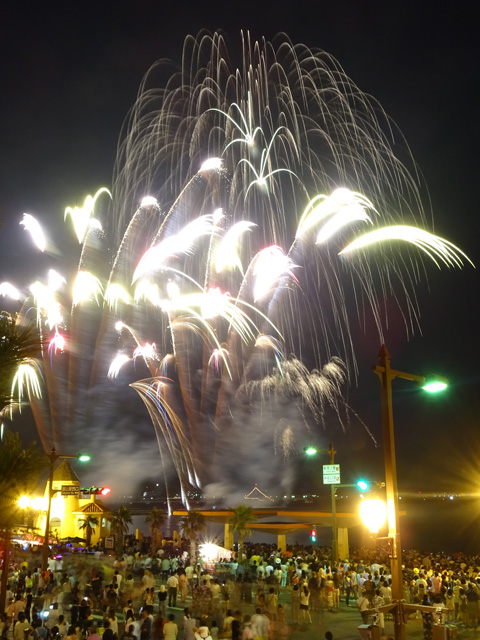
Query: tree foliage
point(191, 526)
point(120, 520)
point(18, 344)
point(156, 519)
point(242, 517)
point(88, 524)
point(19, 473)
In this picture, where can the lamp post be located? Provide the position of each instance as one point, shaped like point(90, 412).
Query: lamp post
point(53, 456)
point(311, 451)
point(386, 374)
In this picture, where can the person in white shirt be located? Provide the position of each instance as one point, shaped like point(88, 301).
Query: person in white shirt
point(421, 585)
point(363, 605)
point(203, 634)
point(117, 576)
point(386, 592)
point(172, 587)
point(53, 616)
point(62, 627)
point(112, 618)
point(189, 625)
point(260, 624)
point(305, 604)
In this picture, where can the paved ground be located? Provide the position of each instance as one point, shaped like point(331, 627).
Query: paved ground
point(344, 626)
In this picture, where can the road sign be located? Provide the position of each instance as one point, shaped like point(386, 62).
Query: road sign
point(331, 468)
point(70, 490)
point(331, 479)
point(109, 543)
point(331, 474)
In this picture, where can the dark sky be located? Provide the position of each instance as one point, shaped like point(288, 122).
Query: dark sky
point(70, 72)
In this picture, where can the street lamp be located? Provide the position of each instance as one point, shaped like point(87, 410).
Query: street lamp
point(29, 506)
point(362, 485)
point(24, 502)
point(386, 374)
point(373, 514)
point(53, 456)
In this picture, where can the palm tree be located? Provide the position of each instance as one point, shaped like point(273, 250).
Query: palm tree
point(19, 472)
point(156, 520)
point(242, 517)
point(191, 526)
point(19, 468)
point(120, 521)
point(19, 344)
point(88, 523)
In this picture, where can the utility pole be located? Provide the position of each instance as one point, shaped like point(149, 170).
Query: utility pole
point(53, 456)
point(333, 490)
point(331, 452)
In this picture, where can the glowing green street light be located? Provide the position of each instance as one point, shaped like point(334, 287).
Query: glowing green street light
point(435, 384)
point(84, 458)
point(310, 451)
point(362, 485)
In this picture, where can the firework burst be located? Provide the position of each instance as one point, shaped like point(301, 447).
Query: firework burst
point(240, 234)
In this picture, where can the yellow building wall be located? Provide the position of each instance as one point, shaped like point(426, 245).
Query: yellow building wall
point(64, 517)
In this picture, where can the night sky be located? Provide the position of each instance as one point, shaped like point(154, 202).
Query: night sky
point(71, 71)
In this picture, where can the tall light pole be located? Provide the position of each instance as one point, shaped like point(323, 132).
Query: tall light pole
point(53, 456)
point(310, 451)
point(386, 374)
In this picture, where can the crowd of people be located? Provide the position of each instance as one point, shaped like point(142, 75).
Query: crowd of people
point(144, 595)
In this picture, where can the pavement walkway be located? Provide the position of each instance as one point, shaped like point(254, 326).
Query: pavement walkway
point(344, 624)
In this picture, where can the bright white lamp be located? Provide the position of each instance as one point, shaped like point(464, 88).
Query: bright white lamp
point(373, 514)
